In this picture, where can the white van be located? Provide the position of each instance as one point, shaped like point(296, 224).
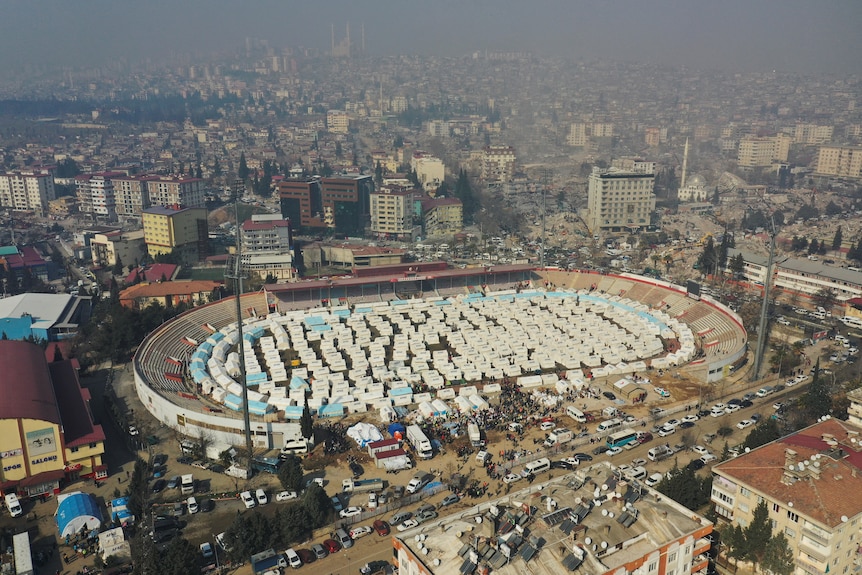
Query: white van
point(538, 466)
point(639, 473)
point(609, 424)
point(13, 505)
point(659, 452)
point(576, 414)
point(192, 505)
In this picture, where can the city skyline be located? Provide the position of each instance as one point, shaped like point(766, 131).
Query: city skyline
point(799, 36)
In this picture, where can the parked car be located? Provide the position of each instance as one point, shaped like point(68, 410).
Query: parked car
point(409, 524)
point(450, 499)
point(426, 515)
point(373, 567)
point(691, 417)
point(285, 495)
point(401, 517)
point(614, 451)
point(746, 403)
point(653, 479)
point(600, 449)
point(700, 449)
point(332, 545)
point(350, 511)
point(755, 417)
point(174, 482)
point(207, 550)
point(158, 485)
point(733, 408)
point(583, 457)
point(319, 551)
point(380, 527)
point(745, 423)
point(306, 555)
point(609, 395)
point(696, 464)
point(686, 425)
point(358, 532)
point(247, 499)
point(260, 495)
point(511, 478)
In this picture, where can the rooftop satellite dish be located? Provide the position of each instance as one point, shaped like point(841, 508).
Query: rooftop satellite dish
point(588, 540)
point(844, 519)
point(604, 487)
point(604, 544)
point(790, 504)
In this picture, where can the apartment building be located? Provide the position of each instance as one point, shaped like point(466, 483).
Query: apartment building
point(811, 482)
point(95, 193)
point(430, 170)
point(812, 134)
point(27, 191)
point(129, 248)
point(442, 216)
point(183, 231)
point(131, 195)
point(619, 200)
point(173, 190)
point(337, 121)
point(840, 161)
point(575, 527)
point(392, 212)
point(762, 152)
point(498, 163)
point(267, 247)
point(577, 135)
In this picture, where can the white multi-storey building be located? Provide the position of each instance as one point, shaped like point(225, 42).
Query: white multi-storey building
point(812, 134)
point(95, 194)
point(392, 212)
point(337, 121)
point(498, 163)
point(267, 247)
point(430, 171)
point(27, 191)
point(176, 191)
point(619, 200)
point(840, 161)
point(762, 152)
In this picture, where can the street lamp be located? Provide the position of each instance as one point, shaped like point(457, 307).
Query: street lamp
point(215, 552)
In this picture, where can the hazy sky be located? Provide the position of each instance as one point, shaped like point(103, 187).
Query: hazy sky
point(736, 35)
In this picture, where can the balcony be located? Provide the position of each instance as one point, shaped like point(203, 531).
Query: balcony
point(809, 562)
point(702, 545)
point(700, 563)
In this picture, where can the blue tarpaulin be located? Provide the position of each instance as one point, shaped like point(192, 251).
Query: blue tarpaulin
point(396, 428)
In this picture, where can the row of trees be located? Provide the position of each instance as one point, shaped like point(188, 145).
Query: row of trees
point(757, 544)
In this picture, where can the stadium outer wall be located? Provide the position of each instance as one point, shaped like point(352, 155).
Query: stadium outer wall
point(191, 418)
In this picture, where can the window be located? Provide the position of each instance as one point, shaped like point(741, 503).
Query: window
point(792, 516)
point(789, 533)
point(74, 449)
point(775, 507)
point(653, 566)
point(744, 492)
point(671, 558)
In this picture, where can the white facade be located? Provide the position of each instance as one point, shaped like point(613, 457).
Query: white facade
point(762, 152)
point(27, 191)
point(430, 171)
point(337, 121)
point(619, 201)
point(840, 161)
point(392, 212)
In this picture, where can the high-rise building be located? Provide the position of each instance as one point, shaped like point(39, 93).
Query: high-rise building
point(337, 121)
point(430, 170)
point(131, 195)
point(27, 191)
point(340, 203)
point(183, 231)
point(173, 191)
point(840, 161)
point(811, 483)
point(619, 200)
point(577, 134)
point(762, 152)
point(442, 216)
point(498, 163)
point(392, 212)
point(95, 194)
point(812, 134)
point(267, 247)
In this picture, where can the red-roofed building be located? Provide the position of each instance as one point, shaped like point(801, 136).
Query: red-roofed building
point(151, 273)
point(811, 482)
point(194, 292)
point(47, 433)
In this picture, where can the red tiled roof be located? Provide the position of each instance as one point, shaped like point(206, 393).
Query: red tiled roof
point(250, 225)
point(168, 288)
point(26, 383)
point(836, 493)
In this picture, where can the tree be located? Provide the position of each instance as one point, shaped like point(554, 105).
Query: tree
point(836, 241)
point(58, 353)
point(736, 543)
point(317, 505)
point(118, 267)
point(243, 171)
point(826, 298)
point(737, 266)
point(778, 556)
point(708, 258)
point(294, 524)
point(216, 168)
point(817, 400)
point(758, 533)
point(306, 424)
point(290, 474)
point(762, 433)
point(378, 174)
point(813, 247)
point(181, 558)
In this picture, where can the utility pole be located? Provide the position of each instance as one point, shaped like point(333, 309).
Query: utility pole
point(547, 179)
point(764, 308)
point(234, 271)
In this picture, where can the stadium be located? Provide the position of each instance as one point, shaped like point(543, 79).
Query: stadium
point(415, 335)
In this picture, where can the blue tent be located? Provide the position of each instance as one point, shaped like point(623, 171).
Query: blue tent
point(395, 428)
point(77, 511)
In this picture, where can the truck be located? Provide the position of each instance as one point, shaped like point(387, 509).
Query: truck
point(475, 435)
point(420, 442)
point(187, 484)
point(268, 560)
point(23, 556)
point(237, 471)
point(558, 436)
point(361, 485)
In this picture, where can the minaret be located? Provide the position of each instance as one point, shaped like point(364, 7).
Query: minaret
point(332, 40)
point(684, 165)
point(363, 39)
point(348, 39)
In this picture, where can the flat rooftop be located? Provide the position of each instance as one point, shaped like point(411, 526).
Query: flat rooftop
point(588, 520)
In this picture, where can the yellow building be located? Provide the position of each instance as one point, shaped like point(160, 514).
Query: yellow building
point(183, 231)
point(841, 161)
point(762, 152)
point(47, 435)
point(442, 216)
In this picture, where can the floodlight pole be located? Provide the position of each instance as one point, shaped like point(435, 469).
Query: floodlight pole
point(764, 309)
point(235, 273)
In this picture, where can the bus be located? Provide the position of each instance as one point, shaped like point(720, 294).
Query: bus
point(622, 438)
